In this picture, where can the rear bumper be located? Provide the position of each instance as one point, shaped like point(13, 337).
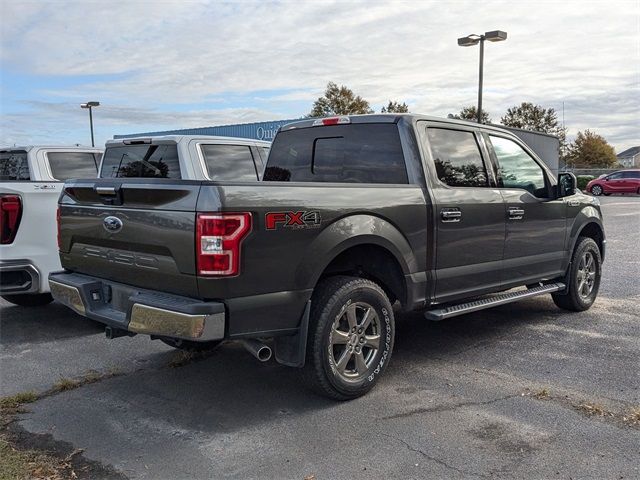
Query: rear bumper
point(18, 276)
point(139, 311)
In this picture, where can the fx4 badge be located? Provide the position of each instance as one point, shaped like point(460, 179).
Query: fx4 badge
point(303, 219)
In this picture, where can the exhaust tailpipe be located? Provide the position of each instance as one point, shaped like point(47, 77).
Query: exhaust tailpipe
point(258, 349)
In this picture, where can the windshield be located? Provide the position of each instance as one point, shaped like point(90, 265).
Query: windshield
point(13, 165)
point(148, 161)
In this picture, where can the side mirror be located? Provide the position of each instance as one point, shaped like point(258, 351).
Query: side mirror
point(567, 184)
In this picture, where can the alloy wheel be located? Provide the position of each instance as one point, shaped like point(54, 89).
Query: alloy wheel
point(586, 274)
point(354, 341)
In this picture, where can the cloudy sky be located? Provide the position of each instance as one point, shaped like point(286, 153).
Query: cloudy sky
point(173, 64)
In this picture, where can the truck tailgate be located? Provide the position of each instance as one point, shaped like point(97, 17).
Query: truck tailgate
point(136, 231)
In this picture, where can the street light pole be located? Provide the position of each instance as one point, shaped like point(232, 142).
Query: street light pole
point(480, 75)
point(473, 39)
point(90, 105)
point(93, 144)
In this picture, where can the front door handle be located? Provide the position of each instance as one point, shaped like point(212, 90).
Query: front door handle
point(516, 213)
point(450, 214)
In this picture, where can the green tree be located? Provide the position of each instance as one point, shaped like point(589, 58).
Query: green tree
point(395, 107)
point(534, 117)
point(590, 150)
point(471, 113)
point(339, 101)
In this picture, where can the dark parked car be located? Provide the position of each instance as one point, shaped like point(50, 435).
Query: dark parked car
point(624, 181)
point(353, 215)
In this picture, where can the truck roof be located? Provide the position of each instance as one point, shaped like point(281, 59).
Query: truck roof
point(27, 148)
point(394, 117)
point(186, 138)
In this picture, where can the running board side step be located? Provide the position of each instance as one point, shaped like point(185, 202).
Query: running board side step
point(494, 301)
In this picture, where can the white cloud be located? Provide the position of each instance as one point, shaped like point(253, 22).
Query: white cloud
point(583, 53)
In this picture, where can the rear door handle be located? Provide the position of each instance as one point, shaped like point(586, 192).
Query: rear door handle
point(516, 213)
point(450, 214)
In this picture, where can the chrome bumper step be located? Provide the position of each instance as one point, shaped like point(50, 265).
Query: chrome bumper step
point(493, 301)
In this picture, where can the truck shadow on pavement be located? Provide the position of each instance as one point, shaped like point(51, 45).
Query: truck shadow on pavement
point(230, 391)
point(449, 338)
point(42, 324)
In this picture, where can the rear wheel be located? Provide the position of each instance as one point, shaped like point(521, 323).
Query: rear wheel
point(29, 300)
point(596, 190)
point(351, 332)
point(191, 346)
point(584, 277)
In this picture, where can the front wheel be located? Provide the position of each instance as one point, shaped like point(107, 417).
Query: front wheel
point(596, 190)
point(29, 299)
point(584, 277)
point(351, 333)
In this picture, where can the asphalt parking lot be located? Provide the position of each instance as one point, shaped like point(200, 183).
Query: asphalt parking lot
point(523, 390)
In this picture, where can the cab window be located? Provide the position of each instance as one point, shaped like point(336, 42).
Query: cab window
point(66, 165)
point(457, 158)
point(233, 163)
point(517, 169)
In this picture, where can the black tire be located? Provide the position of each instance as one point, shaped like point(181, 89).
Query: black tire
point(340, 307)
point(581, 294)
point(596, 190)
point(191, 346)
point(29, 299)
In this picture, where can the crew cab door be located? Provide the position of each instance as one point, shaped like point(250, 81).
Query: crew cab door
point(535, 220)
point(469, 213)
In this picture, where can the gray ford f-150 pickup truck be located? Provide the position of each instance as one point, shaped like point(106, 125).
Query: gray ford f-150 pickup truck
point(353, 215)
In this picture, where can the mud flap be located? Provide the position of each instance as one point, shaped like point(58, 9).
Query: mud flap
point(291, 350)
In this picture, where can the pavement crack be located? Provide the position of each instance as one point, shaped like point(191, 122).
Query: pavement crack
point(448, 408)
point(434, 459)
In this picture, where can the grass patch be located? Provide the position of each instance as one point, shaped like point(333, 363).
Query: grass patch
point(64, 384)
point(542, 394)
point(182, 358)
point(593, 409)
point(12, 403)
point(20, 464)
point(633, 417)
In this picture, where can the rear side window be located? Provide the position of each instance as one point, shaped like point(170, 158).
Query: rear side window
point(229, 162)
point(361, 153)
point(65, 165)
point(631, 174)
point(14, 165)
point(457, 158)
point(147, 161)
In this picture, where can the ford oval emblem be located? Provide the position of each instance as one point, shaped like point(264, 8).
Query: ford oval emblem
point(112, 224)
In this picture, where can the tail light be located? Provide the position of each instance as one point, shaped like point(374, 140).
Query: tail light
point(58, 229)
point(10, 213)
point(218, 240)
